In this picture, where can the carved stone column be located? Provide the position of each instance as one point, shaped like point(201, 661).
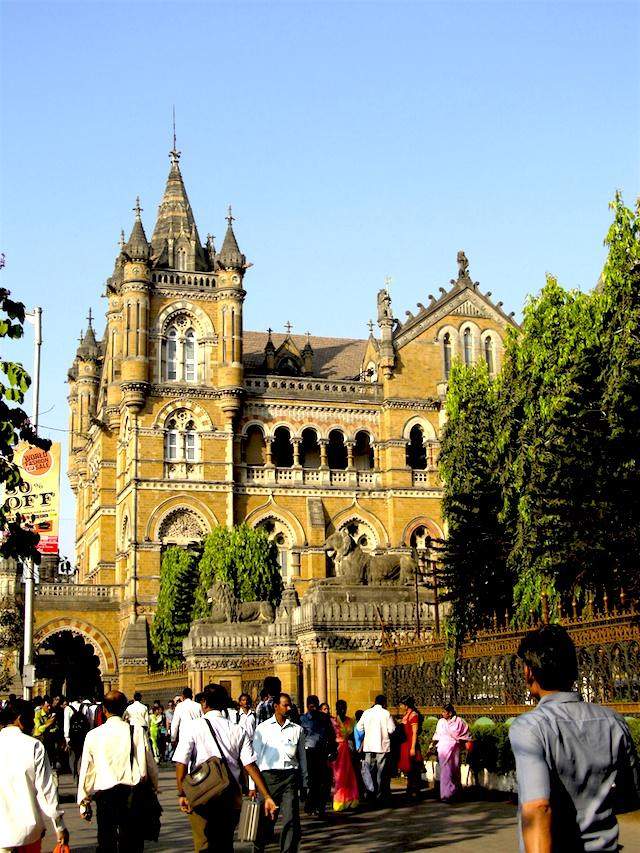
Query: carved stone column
point(321, 674)
point(268, 452)
point(324, 444)
point(376, 456)
point(297, 443)
point(350, 447)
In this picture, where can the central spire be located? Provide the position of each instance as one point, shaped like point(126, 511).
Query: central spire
point(175, 217)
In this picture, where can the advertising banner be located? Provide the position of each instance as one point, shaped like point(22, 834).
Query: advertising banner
point(38, 499)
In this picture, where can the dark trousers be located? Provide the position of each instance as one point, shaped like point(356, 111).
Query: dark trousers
point(319, 780)
point(283, 787)
point(213, 825)
point(379, 765)
point(119, 829)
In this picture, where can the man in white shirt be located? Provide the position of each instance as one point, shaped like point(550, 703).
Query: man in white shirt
point(280, 751)
point(377, 725)
point(116, 757)
point(246, 715)
point(28, 793)
point(185, 710)
point(137, 713)
point(214, 735)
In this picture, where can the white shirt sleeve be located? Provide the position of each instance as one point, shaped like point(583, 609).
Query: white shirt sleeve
point(175, 722)
point(391, 726)
point(258, 749)
point(46, 789)
point(86, 777)
point(360, 723)
point(68, 713)
point(144, 756)
point(186, 747)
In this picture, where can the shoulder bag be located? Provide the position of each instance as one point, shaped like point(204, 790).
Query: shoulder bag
point(211, 779)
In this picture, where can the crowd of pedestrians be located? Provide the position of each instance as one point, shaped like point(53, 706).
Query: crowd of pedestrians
point(576, 761)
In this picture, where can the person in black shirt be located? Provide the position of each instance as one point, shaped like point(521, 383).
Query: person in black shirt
point(320, 744)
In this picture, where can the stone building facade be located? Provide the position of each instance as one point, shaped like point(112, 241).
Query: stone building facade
point(181, 420)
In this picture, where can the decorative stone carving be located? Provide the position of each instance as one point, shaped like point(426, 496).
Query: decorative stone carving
point(355, 566)
point(181, 525)
point(225, 607)
point(384, 306)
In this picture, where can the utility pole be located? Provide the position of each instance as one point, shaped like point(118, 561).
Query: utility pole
point(28, 673)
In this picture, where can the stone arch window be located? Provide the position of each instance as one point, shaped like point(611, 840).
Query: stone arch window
point(181, 526)
point(288, 366)
point(361, 534)
point(254, 446)
point(279, 534)
point(446, 353)
point(467, 347)
point(282, 448)
point(181, 259)
point(171, 354)
point(363, 459)
point(337, 457)
point(420, 538)
point(178, 352)
point(370, 373)
point(488, 354)
point(181, 438)
point(310, 449)
point(417, 449)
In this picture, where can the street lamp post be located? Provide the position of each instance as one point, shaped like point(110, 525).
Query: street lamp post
point(34, 317)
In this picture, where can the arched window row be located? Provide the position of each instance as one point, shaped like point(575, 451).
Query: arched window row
point(308, 450)
point(421, 450)
point(471, 346)
point(178, 355)
point(181, 442)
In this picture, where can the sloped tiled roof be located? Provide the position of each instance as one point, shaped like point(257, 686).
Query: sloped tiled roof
point(333, 358)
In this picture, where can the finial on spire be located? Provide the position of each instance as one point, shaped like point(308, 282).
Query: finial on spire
point(230, 217)
point(174, 154)
point(137, 209)
point(288, 327)
point(90, 319)
point(269, 332)
point(387, 281)
point(370, 326)
point(81, 338)
point(308, 337)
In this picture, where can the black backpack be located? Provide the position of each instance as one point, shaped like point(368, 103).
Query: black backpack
point(78, 727)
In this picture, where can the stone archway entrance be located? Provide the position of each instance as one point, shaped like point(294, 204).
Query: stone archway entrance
point(69, 664)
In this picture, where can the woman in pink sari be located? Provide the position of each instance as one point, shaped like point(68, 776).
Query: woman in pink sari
point(450, 732)
point(345, 782)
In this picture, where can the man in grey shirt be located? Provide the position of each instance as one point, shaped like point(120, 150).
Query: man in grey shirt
point(575, 761)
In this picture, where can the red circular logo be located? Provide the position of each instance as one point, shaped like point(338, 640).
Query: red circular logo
point(36, 462)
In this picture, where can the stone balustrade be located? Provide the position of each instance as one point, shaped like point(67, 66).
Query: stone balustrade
point(309, 476)
point(76, 590)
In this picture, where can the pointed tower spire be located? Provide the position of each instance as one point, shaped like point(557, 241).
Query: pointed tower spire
point(137, 247)
point(175, 216)
point(230, 256)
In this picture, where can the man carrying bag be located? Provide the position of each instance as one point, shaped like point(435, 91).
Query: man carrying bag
point(213, 750)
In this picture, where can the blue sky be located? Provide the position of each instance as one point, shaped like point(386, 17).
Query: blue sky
point(354, 140)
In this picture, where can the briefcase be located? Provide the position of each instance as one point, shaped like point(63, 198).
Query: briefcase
point(249, 820)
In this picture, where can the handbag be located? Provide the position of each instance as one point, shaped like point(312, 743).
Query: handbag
point(249, 820)
point(144, 803)
point(211, 779)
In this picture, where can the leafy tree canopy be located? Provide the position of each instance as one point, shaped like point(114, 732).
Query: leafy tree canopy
point(246, 559)
point(172, 619)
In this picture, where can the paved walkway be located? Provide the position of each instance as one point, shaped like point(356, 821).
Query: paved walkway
point(428, 825)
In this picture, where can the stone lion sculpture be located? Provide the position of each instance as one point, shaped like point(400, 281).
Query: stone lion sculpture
point(355, 566)
point(225, 607)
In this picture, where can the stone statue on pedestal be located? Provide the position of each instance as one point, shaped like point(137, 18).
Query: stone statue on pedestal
point(355, 566)
point(225, 607)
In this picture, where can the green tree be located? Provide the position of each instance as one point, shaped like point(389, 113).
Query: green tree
point(17, 540)
point(473, 561)
point(246, 559)
point(551, 436)
point(172, 619)
point(620, 374)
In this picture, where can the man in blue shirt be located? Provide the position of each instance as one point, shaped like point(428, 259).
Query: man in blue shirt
point(320, 743)
point(575, 761)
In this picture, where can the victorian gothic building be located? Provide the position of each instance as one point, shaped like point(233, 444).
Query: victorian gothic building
point(181, 419)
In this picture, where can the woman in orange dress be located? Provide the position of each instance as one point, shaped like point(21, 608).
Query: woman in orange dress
point(410, 762)
point(345, 782)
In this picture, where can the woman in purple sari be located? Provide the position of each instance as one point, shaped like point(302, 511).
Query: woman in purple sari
point(450, 732)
